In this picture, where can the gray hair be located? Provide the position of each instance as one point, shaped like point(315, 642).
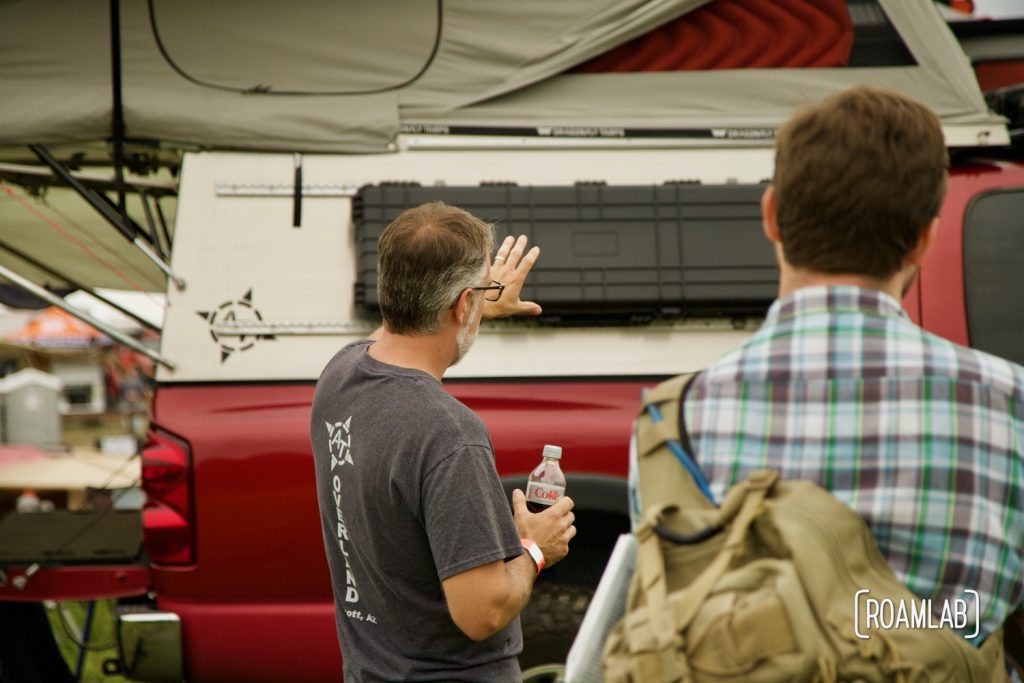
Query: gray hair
point(425, 258)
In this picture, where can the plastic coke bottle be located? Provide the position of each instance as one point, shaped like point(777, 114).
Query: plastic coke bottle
point(546, 484)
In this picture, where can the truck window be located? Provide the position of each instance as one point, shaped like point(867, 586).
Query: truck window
point(993, 263)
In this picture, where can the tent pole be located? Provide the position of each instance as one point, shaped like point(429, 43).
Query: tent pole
point(136, 228)
point(84, 192)
point(153, 236)
point(120, 338)
point(117, 123)
point(107, 212)
point(60, 276)
point(164, 232)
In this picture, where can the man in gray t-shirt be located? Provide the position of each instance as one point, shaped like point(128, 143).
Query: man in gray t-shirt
point(427, 561)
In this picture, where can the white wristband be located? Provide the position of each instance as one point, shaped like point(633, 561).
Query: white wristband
point(535, 553)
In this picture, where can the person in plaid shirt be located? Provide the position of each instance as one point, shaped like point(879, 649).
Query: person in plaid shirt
point(923, 438)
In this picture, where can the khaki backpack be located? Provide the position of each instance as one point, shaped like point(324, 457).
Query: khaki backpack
point(762, 588)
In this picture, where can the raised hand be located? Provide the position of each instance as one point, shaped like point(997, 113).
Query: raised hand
point(511, 265)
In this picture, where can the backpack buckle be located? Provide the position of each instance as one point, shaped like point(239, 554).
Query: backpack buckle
point(762, 479)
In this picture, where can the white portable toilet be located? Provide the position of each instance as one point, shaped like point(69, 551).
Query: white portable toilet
point(30, 416)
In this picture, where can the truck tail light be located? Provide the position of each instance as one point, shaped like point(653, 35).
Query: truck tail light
point(167, 518)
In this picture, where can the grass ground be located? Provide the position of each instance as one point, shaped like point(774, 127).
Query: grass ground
point(101, 639)
point(85, 431)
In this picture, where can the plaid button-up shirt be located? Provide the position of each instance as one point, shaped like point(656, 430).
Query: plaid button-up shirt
point(923, 438)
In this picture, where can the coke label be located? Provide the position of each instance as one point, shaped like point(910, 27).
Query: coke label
point(540, 495)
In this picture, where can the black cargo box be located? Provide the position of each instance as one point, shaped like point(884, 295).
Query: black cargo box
point(625, 253)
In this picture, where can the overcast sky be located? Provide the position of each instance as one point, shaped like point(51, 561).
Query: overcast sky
point(999, 9)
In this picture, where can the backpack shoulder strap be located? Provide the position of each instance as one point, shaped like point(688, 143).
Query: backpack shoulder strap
point(667, 473)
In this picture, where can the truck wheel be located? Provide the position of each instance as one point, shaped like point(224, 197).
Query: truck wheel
point(550, 621)
point(28, 653)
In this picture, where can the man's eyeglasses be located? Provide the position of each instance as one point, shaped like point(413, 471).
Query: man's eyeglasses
point(492, 292)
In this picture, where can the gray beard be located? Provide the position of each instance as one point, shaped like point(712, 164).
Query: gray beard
point(463, 339)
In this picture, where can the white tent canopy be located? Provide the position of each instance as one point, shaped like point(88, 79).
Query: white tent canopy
point(349, 77)
point(342, 77)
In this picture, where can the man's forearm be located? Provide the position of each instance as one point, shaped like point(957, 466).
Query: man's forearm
point(482, 601)
point(521, 574)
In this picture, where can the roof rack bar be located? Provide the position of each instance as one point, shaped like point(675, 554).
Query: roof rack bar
point(92, 292)
point(23, 174)
point(124, 227)
point(48, 296)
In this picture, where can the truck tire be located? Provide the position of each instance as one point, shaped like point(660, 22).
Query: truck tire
point(28, 652)
point(550, 621)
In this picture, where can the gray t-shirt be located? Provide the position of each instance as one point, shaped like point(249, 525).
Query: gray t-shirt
point(408, 496)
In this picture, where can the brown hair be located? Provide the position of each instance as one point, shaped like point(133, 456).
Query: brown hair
point(858, 177)
point(425, 258)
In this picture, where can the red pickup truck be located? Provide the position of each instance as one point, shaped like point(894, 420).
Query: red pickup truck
point(234, 551)
point(642, 275)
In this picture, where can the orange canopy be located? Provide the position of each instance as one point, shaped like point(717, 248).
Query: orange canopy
point(55, 328)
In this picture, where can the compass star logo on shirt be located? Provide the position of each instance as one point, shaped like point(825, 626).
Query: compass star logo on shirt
point(238, 310)
point(339, 442)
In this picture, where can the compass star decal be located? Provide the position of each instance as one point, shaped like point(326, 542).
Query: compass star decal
point(231, 311)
